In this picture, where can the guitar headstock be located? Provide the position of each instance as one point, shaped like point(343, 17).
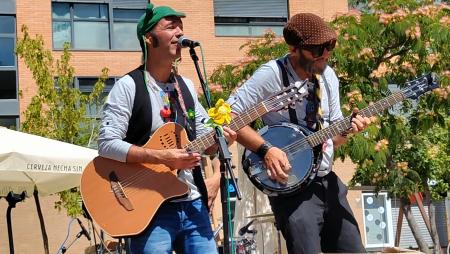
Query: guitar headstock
point(288, 96)
point(421, 85)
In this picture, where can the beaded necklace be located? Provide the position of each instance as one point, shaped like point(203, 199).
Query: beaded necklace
point(172, 98)
point(167, 110)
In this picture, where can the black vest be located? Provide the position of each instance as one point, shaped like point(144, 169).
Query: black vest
point(140, 123)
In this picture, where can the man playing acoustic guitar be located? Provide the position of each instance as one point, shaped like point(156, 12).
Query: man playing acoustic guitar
point(317, 218)
point(141, 102)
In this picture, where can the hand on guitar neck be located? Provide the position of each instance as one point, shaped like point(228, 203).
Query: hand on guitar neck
point(229, 135)
point(358, 123)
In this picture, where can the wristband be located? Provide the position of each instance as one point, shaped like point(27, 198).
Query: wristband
point(263, 149)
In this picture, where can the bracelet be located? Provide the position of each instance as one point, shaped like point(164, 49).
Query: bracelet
point(263, 149)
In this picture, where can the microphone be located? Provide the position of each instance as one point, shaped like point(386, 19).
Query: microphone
point(185, 42)
point(83, 230)
point(244, 229)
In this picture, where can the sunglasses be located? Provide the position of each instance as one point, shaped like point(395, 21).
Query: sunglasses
point(317, 50)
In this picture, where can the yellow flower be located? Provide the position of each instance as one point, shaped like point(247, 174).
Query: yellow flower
point(221, 113)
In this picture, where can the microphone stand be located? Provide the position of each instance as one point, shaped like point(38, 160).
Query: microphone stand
point(225, 163)
point(64, 248)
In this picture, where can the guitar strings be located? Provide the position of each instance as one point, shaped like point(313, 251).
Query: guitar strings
point(342, 124)
point(138, 177)
point(290, 149)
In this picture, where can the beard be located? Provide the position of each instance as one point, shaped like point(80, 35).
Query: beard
point(311, 65)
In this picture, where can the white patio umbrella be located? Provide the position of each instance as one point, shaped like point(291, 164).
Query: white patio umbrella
point(31, 164)
point(28, 161)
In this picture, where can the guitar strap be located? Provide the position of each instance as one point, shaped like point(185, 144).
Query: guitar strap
point(184, 99)
point(313, 115)
point(292, 114)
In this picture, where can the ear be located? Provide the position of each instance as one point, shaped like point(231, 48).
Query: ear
point(293, 49)
point(148, 39)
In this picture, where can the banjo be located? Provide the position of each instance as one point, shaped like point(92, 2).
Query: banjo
point(299, 143)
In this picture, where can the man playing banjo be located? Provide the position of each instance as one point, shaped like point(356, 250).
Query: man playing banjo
point(317, 218)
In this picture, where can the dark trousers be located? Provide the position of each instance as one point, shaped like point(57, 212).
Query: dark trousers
point(318, 218)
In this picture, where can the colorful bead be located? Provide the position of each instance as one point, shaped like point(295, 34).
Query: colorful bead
point(165, 112)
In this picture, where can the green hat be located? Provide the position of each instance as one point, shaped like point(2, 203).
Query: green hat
point(151, 17)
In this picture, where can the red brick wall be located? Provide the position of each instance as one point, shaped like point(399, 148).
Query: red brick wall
point(325, 8)
point(198, 25)
point(36, 15)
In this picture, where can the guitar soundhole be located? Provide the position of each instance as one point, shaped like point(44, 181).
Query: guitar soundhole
point(170, 141)
point(177, 137)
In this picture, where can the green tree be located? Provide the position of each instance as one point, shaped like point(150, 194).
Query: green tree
point(390, 43)
point(58, 110)
point(227, 77)
point(394, 42)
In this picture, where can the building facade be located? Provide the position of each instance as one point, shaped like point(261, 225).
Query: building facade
point(102, 33)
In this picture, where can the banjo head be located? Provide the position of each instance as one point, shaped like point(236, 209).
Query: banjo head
point(291, 139)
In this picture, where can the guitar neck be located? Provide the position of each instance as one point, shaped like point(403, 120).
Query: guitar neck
point(207, 140)
point(341, 126)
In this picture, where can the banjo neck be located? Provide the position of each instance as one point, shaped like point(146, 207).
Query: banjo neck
point(344, 124)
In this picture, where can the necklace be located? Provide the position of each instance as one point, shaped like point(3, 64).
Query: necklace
point(165, 112)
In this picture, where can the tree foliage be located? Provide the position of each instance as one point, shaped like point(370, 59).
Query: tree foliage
point(227, 77)
point(58, 110)
point(395, 42)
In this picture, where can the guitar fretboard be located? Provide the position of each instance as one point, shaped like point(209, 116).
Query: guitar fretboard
point(206, 140)
point(285, 97)
point(342, 125)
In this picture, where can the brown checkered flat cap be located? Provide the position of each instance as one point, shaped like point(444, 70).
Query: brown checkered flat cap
point(307, 29)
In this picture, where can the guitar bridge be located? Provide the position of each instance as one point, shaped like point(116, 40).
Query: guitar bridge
point(117, 189)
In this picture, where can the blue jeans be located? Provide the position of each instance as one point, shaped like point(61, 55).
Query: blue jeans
point(181, 226)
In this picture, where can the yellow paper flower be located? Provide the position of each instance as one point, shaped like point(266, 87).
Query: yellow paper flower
point(221, 113)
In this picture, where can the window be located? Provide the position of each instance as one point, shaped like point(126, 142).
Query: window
point(95, 26)
point(249, 18)
point(8, 85)
point(377, 220)
point(11, 122)
point(84, 26)
point(8, 7)
point(7, 40)
point(9, 104)
point(124, 28)
point(86, 86)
